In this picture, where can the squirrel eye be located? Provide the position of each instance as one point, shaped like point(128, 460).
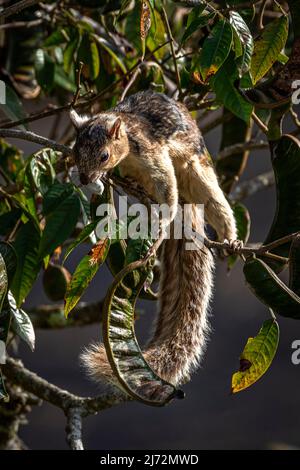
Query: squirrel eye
point(104, 156)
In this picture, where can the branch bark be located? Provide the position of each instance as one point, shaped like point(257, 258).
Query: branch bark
point(17, 7)
point(52, 316)
point(37, 139)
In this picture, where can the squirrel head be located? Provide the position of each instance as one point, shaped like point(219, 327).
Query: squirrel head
point(101, 143)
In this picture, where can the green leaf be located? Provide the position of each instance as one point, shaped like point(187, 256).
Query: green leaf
point(242, 219)
point(84, 235)
point(70, 52)
point(195, 24)
point(257, 356)
point(11, 160)
point(242, 31)
point(268, 47)
point(41, 170)
point(270, 290)
point(66, 82)
point(224, 86)
point(215, 49)
point(84, 273)
point(45, 70)
point(62, 209)
point(21, 323)
point(26, 245)
point(286, 165)
point(125, 357)
point(88, 54)
point(56, 38)
point(56, 194)
point(13, 108)
point(10, 258)
point(102, 43)
point(137, 249)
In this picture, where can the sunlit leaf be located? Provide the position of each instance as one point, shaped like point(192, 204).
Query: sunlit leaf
point(257, 356)
point(21, 323)
point(84, 235)
point(41, 170)
point(84, 273)
point(268, 47)
point(216, 48)
point(245, 37)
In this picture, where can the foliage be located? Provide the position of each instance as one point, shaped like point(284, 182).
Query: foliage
point(230, 62)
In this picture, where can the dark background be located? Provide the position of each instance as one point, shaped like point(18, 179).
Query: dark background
point(264, 416)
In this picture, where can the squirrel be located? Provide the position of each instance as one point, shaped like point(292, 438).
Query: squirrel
point(154, 140)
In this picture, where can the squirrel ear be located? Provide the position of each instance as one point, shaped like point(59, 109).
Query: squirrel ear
point(77, 121)
point(114, 130)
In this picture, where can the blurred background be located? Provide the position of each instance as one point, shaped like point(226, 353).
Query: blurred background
point(263, 417)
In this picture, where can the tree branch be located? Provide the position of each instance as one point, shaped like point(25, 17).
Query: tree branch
point(41, 388)
point(17, 7)
point(52, 316)
point(37, 139)
point(250, 187)
point(74, 407)
point(236, 149)
point(74, 429)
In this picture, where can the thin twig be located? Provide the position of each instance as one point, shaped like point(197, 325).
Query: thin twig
point(78, 84)
point(260, 18)
point(21, 24)
point(259, 123)
point(171, 39)
point(59, 109)
point(130, 83)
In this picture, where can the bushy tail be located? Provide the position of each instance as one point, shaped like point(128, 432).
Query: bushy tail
point(181, 328)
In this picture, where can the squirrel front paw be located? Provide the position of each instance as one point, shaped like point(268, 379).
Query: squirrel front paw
point(233, 247)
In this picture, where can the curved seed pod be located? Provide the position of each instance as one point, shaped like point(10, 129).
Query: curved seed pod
point(124, 354)
point(286, 166)
point(270, 289)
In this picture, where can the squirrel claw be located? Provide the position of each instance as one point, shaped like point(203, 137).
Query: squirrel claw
point(234, 246)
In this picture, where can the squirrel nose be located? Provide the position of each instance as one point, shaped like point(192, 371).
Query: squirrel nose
point(83, 178)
